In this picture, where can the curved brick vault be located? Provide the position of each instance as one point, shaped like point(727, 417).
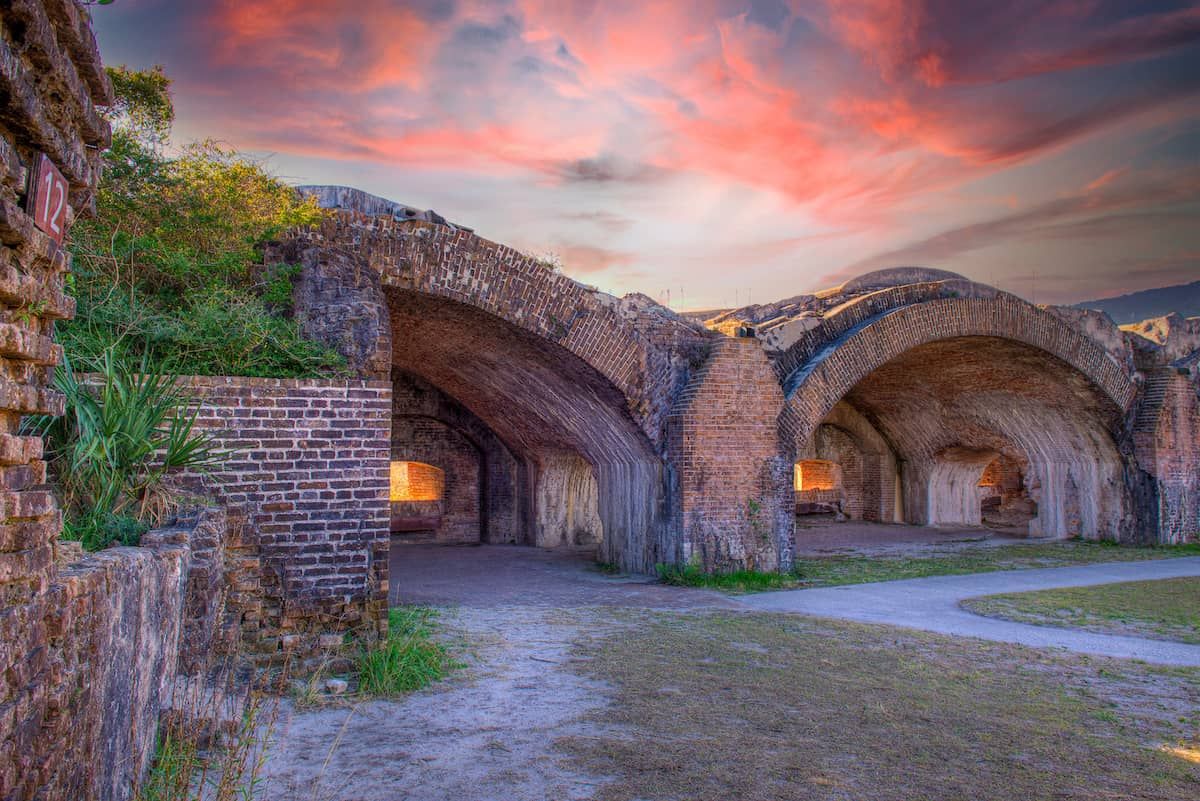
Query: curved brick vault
point(587, 417)
point(955, 375)
point(576, 385)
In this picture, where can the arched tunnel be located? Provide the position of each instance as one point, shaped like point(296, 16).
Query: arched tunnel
point(968, 430)
point(537, 447)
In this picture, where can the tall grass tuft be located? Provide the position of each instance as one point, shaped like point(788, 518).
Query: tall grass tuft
point(116, 446)
point(732, 581)
point(212, 743)
point(407, 659)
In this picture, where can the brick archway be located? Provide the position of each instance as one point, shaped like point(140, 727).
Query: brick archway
point(642, 353)
point(854, 342)
point(982, 374)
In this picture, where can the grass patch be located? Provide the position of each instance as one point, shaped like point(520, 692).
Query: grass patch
point(408, 659)
point(1164, 609)
point(765, 708)
point(733, 581)
point(829, 571)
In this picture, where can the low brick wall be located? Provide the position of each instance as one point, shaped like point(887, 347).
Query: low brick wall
point(307, 491)
point(98, 653)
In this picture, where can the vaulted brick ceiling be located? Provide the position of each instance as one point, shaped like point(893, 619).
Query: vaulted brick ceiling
point(533, 393)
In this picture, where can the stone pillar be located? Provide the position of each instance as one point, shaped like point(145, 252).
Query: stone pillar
point(735, 496)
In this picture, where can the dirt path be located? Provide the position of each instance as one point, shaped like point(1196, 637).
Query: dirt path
point(488, 732)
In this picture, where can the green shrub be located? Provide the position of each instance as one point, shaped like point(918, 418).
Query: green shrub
point(407, 659)
point(169, 270)
point(114, 450)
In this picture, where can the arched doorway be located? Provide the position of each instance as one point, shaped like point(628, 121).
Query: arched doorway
point(559, 459)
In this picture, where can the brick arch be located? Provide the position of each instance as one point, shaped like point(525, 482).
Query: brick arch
point(629, 342)
point(866, 333)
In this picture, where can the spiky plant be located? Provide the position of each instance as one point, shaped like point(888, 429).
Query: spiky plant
point(112, 453)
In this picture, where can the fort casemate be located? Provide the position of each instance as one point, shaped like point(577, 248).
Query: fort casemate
point(529, 408)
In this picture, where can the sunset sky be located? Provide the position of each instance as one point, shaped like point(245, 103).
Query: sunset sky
point(726, 150)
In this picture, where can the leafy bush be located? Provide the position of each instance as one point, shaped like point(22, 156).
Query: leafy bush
point(114, 450)
point(169, 271)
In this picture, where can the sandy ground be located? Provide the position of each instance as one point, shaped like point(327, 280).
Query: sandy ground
point(486, 734)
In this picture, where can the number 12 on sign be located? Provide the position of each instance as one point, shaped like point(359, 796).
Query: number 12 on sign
point(47, 201)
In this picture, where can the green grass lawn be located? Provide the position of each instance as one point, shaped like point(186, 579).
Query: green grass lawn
point(833, 570)
point(711, 707)
point(828, 571)
point(1166, 609)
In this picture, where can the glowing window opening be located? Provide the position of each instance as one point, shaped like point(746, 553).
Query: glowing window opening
point(815, 474)
point(417, 481)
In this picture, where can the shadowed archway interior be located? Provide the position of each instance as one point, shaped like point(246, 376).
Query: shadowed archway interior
point(948, 411)
point(582, 472)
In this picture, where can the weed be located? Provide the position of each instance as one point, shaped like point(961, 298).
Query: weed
point(692, 575)
point(408, 658)
point(212, 743)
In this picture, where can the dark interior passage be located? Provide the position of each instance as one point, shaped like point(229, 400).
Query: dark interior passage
point(976, 431)
point(537, 447)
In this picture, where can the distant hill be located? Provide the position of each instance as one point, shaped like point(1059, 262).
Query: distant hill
point(1136, 306)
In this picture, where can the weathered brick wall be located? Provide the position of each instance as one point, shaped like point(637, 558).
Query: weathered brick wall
point(736, 501)
point(103, 653)
point(1167, 443)
point(645, 351)
point(51, 82)
point(307, 488)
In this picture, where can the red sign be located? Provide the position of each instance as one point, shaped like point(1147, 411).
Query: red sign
point(47, 202)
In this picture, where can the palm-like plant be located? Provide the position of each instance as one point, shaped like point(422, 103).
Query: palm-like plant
point(120, 440)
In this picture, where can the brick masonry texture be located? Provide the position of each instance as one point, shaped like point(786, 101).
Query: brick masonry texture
point(99, 653)
point(51, 83)
point(307, 492)
point(736, 496)
point(919, 380)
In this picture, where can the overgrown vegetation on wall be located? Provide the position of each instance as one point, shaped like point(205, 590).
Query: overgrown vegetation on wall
point(168, 272)
point(115, 450)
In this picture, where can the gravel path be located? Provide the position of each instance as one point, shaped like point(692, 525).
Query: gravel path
point(932, 604)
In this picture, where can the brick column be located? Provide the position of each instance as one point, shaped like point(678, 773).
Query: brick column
point(735, 496)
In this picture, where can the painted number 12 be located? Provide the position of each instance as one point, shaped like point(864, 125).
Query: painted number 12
point(58, 193)
point(48, 203)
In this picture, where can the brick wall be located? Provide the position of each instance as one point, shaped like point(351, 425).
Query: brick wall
point(307, 489)
point(102, 654)
point(736, 500)
point(1167, 442)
